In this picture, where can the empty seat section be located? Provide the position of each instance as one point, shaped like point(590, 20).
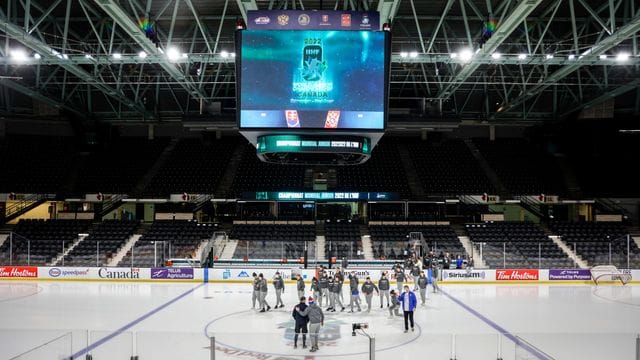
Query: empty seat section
point(392, 241)
point(383, 172)
point(266, 241)
point(104, 241)
point(195, 166)
point(343, 240)
point(117, 167)
point(38, 242)
point(448, 168)
point(517, 245)
point(594, 242)
point(523, 168)
point(168, 239)
point(35, 164)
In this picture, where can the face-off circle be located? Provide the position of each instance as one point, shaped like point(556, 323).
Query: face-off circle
point(270, 335)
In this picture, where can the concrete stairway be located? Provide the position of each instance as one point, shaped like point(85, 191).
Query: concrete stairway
point(58, 261)
point(478, 261)
point(157, 165)
point(488, 170)
point(367, 247)
point(320, 247)
point(3, 238)
point(230, 172)
point(124, 250)
point(228, 250)
point(569, 176)
point(570, 253)
point(412, 176)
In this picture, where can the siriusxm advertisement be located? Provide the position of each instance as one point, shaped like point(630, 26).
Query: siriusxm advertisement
point(312, 79)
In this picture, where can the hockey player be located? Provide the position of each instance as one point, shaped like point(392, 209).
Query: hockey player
point(383, 285)
point(434, 277)
point(422, 282)
point(354, 298)
point(316, 320)
point(300, 286)
point(263, 293)
point(394, 309)
point(301, 323)
point(399, 275)
point(367, 289)
point(415, 273)
point(315, 288)
point(324, 287)
point(340, 279)
point(278, 284)
point(255, 295)
point(332, 300)
point(334, 293)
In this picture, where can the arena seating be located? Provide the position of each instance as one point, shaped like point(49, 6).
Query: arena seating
point(383, 172)
point(344, 240)
point(35, 164)
point(522, 168)
point(117, 167)
point(433, 163)
point(194, 166)
point(272, 241)
point(255, 175)
point(104, 241)
point(43, 240)
point(391, 241)
point(517, 245)
point(606, 172)
point(592, 241)
point(168, 239)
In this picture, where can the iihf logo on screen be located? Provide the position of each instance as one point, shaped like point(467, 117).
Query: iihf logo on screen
point(310, 86)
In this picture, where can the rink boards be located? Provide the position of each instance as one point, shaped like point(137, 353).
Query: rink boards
point(240, 275)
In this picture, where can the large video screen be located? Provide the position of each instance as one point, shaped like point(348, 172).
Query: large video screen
point(312, 79)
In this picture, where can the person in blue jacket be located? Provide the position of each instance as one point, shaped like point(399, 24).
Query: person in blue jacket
point(408, 301)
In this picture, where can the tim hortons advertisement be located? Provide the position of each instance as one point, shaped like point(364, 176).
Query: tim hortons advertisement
point(517, 274)
point(18, 272)
point(468, 275)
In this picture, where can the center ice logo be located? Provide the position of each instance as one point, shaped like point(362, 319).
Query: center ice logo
point(328, 335)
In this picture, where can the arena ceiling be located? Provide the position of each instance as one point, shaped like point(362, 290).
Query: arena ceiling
point(82, 58)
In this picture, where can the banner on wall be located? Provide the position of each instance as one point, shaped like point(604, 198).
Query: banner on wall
point(569, 274)
point(172, 273)
point(468, 275)
point(517, 274)
point(94, 273)
point(313, 20)
point(246, 274)
point(18, 272)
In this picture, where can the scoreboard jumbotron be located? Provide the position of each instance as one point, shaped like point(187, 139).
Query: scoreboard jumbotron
point(312, 87)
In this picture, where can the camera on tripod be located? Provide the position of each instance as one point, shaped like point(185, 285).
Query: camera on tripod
point(358, 326)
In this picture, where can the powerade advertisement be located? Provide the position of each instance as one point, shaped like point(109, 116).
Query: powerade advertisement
point(312, 79)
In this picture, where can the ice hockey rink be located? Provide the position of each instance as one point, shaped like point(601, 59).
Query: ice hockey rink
point(49, 320)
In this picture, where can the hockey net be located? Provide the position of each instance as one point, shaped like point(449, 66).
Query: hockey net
point(608, 273)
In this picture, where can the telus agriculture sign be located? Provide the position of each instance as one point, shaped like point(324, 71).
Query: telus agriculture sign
point(172, 273)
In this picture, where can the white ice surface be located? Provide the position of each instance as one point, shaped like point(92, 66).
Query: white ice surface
point(563, 321)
